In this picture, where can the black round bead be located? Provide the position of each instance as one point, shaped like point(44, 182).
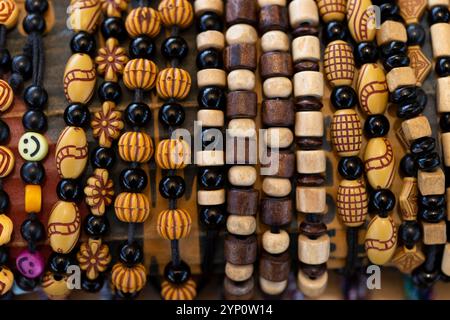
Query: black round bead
point(96, 226)
point(5, 60)
point(390, 11)
point(433, 201)
point(177, 274)
point(382, 200)
point(376, 125)
point(416, 34)
point(410, 233)
point(32, 230)
point(4, 201)
point(34, 23)
point(83, 42)
point(432, 215)
point(22, 64)
point(5, 133)
point(211, 178)
point(335, 30)
point(425, 279)
point(35, 97)
point(69, 190)
point(113, 27)
point(422, 145)
point(343, 97)
point(138, 114)
point(36, 6)
point(131, 253)
point(141, 47)
point(32, 173)
point(403, 94)
point(439, 14)
point(110, 91)
point(58, 263)
point(172, 114)
point(351, 168)
point(209, 21)
point(103, 158)
point(428, 161)
point(442, 66)
point(77, 115)
point(172, 187)
point(26, 284)
point(94, 285)
point(212, 217)
point(393, 47)
point(4, 255)
point(408, 166)
point(365, 52)
point(211, 98)
point(133, 179)
point(444, 122)
point(35, 120)
point(396, 61)
point(411, 108)
point(209, 59)
point(174, 48)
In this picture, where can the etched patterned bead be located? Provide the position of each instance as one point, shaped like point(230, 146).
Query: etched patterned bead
point(172, 154)
point(128, 279)
point(176, 13)
point(339, 63)
point(135, 147)
point(132, 207)
point(143, 20)
point(174, 224)
point(183, 291)
point(173, 83)
point(140, 74)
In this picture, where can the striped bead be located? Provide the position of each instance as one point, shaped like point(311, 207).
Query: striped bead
point(6, 96)
point(9, 13)
point(7, 161)
point(183, 291)
point(174, 224)
point(140, 74)
point(135, 147)
point(128, 279)
point(143, 20)
point(172, 154)
point(173, 83)
point(176, 13)
point(132, 207)
point(84, 15)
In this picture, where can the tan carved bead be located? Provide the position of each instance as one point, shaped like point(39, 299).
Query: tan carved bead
point(372, 89)
point(339, 63)
point(63, 226)
point(143, 20)
point(174, 224)
point(183, 291)
point(381, 240)
point(128, 279)
point(173, 83)
point(408, 199)
point(379, 163)
point(176, 13)
point(135, 147)
point(79, 78)
point(140, 74)
point(7, 161)
point(6, 95)
point(114, 8)
point(71, 153)
point(332, 10)
point(172, 154)
point(111, 60)
point(346, 132)
point(55, 288)
point(84, 15)
point(99, 191)
point(352, 202)
point(107, 124)
point(93, 258)
point(9, 13)
point(132, 207)
point(406, 260)
point(361, 20)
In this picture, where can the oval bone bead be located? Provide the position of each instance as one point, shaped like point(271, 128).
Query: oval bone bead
point(241, 33)
point(275, 243)
point(242, 176)
point(303, 11)
point(132, 207)
point(346, 132)
point(84, 15)
point(339, 63)
point(135, 146)
point(361, 20)
point(63, 226)
point(312, 288)
point(379, 163)
point(6, 279)
point(6, 229)
point(79, 78)
point(210, 39)
point(241, 225)
point(440, 33)
point(71, 153)
point(140, 74)
point(238, 273)
point(176, 13)
point(143, 21)
point(240, 250)
point(381, 240)
point(9, 13)
point(352, 202)
point(7, 161)
point(313, 251)
point(332, 10)
point(174, 224)
point(372, 89)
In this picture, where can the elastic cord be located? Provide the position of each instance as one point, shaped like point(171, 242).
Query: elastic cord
point(352, 254)
point(175, 252)
point(208, 257)
point(2, 37)
point(38, 58)
point(131, 232)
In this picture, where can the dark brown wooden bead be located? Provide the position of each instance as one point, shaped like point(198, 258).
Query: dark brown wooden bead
point(305, 29)
point(243, 202)
point(241, 150)
point(278, 113)
point(241, 11)
point(308, 104)
point(276, 64)
point(276, 211)
point(275, 267)
point(309, 143)
point(286, 163)
point(238, 290)
point(273, 18)
point(312, 229)
point(241, 104)
point(306, 65)
point(313, 271)
point(240, 56)
point(240, 250)
point(310, 180)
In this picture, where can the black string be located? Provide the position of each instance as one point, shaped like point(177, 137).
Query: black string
point(175, 253)
point(139, 95)
point(38, 58)
point(2, 37)
point(208, 257)
point(352, 254)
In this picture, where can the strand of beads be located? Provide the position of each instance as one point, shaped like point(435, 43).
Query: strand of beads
point(211, 81)
point(173, 85)
point(8, 21)
point(241, 246)
point(278, 118)
point(132, 206)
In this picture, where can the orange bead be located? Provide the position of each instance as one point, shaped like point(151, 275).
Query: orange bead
point(143, 20)
point(135, 147)
point(173, 83)
point(128, 279)
point(132, 207)
point(176, 13)
point(183, 291)
point(33, 198)
point(140, 74)
point(172, 154)
point(174, 224)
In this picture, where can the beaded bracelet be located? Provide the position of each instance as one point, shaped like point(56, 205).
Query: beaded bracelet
point(173, 85)
point(9, 15)
point(242, 199)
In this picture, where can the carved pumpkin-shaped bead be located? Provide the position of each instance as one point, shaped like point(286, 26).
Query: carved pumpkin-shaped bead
point(173, 154)
point(372, 89)
point(381, 240)
point(352, 202)
point(7, 161)
point(346, 132)
point(332, 10)
point(99, 191)
point(174, 291)
point(63, 226)
point(93, 258)
point(9, 12)
point(174, 224)
point(6, 229)
point(55, 288)
point(361, 20)
point(176, 13)
point(379, 163)
point(79, 78)
point(173, 83)
point(143, 20)
point(84, 15)
point(132, 207)
point(128, 279)
point(140, 74)
point(6, 280)
point(6, 95)
point(339, 63)
point(71, 153)
point(135, 147)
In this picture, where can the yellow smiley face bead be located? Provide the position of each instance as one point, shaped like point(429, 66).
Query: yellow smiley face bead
point(176, 13)
point(7, 161)
point(33, 146)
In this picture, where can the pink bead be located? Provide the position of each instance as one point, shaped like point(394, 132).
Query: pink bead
point(30, 264)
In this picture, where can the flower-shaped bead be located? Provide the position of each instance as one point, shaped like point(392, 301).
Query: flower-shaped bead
point(107, 124)
point(114, 8)
point(99, 191)
point(93, 257)
point(111, 60)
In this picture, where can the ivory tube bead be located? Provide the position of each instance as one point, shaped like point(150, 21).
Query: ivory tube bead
point(433, 3)
point(309, 124)
point(301, 11)
point(313, 251)
point(241, 80)
point(275, 41)
point(272, 287)
point(275, 243)
point(276, 187)
point(210, 158)
point(202, 6)
point(434, 233)
point(242, 176)
point(241, 33)
point(445, 141)
point(211, 118)
point(416, 128)
point(263, 3)
point(211, 197)
point(210, 39)
point(311, 199)
point(237, 272)
point(241, 225)
point(242, 128)
point(277, 87)
point(306, 48)
point(311, 161)
point(400, 77)
point(440, 33)
point(391, 31)
point(308, 83)
point(312, 288)
point(211, 77)
point(278, 137)
point(443, 94)
point(431, 183)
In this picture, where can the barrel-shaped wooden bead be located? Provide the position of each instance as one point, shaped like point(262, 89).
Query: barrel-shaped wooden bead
point(6, 94)
point(381, 240)
point(176, 13)
point(132, 207)
point(312, 288)
point(6, 280)
point(361, 20)
point(174, 224)
point(379, 163)
point(440, 33)
point(173, 154)
point(143, 21)
point(313, 251)
point(7, 161)
point(372, 89)
point(84, 15)
point(238, 272)
point(63, 226)
point(303, 12)
point(9, 13)
point(71, 153)
point(173, 291)
point(339, 63)
point(173, 83)
point(128, 279)
point(346, 132)
point(135, 146)
point(6, 229)
point(332, 10)
point(140, 74)
point(352, 202)
point(79, 78)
